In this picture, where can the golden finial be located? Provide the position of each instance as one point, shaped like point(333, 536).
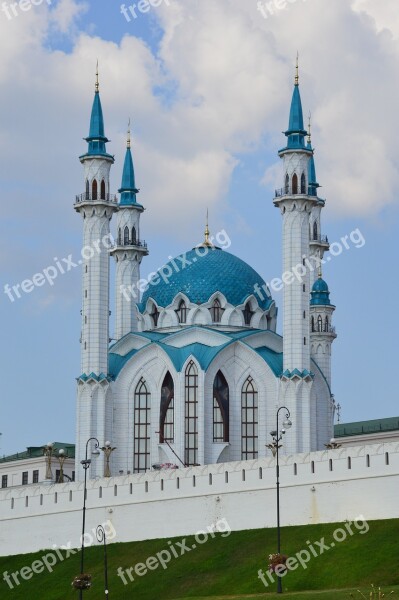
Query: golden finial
point(297, 69)
point(320, 273)
point(97, 83)
point(310, 128)
point(128, 134)
point(206, 241)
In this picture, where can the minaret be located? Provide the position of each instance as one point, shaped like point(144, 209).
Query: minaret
point(296, 204)
point(322, 333)
point(318, 244)
point(129, 251)
point(96, 206)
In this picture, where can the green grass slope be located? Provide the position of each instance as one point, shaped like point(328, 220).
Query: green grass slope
point(223, 567)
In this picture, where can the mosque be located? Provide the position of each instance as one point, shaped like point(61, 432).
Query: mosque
point(197, 371)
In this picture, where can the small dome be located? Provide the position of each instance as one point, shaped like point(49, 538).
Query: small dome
point(320, 293)
point(200, 273)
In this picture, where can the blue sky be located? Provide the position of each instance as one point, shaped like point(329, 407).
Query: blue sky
point(207, 86)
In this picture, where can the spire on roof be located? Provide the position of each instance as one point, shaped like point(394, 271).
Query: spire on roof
point(128, 188)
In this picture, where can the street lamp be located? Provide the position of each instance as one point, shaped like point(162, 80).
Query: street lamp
point(61, 457)
point(277, 436)
point(108, 450)
point(86, 464)
point(101, 537)
point(48, 453)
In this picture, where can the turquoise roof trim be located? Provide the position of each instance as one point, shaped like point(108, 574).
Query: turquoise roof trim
point(201, 272)
point(128, 188)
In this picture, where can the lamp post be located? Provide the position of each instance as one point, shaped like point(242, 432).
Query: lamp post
point(48, 453)
point(277, 436)
point(108, 450)
point(101, 537)
point(61, 457)
point(86, 464)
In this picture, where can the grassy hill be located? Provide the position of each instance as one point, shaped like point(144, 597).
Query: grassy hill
point(223, 567)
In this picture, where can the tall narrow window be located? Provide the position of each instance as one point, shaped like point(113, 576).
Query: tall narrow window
point(103, 190)
point(313, 326)
point(249, 420)
point(167, 415)
point(119, 236)
point(155, 316)
point(295, 183)
point(134, 236)
point(326, 325)
point(319, 323)
point(220, 409)
point(94, 189)
point(191, 415)
point(182, 312)
point(315, 231)
point(287, 184)
point(126, 236)
point(247, 312)
point(87, 190)
point(141, 428)
point(303, 184)
point(216, 311)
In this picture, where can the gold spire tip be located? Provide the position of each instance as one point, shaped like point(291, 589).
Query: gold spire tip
point(310, 128)
point(97, 82)
point(206, 240)
point(320, 273)
point(128, 134)
point(297, 69)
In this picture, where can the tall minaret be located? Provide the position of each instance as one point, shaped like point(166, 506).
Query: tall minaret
point(296, 204)
point(322, 331)
point(318, 243)
point(129, 250)
point(96, 206)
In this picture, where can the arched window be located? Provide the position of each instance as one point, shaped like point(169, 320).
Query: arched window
point(287, 184)
point(315, 232)
point(303, 184)
point(220, 409)
point(249, 420)
point(155, 316)
point(103, 190)
point(326, 325)
point(191, 415)
point(319, 323)
point(167, 415)
point(134, 236)
point(142, 428)
point(87, 190)
point(126, 236)
point(313, 327)
point(247, 312)
point(94, 189)
point(295, 183)
point(216, 311)
point(182, 312)
point(119, 236)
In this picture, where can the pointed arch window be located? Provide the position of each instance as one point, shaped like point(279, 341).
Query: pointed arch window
point(319, 323)
point(103, 190)
point(119, 236)
point(221, 408)
point(142, 421)
point(167, 415)
point(315, 231)
point(295, 183)
point(182, 312)
point(326, 325)
point(134, 236)
point(313, 325)
point(155, 316)
point(126, 236)
point(247, 312)
point(287, 184)
point(249, 420)
point(191, 415)
point(94, 189)
point(87, 189)
point(216, 311)
point(303, 184)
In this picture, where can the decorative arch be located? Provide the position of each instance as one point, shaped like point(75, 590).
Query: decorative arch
point(221, 408)
point(94, 189)
point(87, 189)
point(313, 324)
point(326, 324)
point(295, 183)
point(167, 411)
point(303, 184)
point(182, 312)
point(126, 236)
point(134, 236)
point(315, 231)
point(319, 323)
point(191, 415)
point(102, 189)
point(142, 424)
point(155, 315)
point(249, 420)
point(248, 313)
point(216, 311)
point(287, 183)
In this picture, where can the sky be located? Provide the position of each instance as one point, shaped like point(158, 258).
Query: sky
point(207, 85)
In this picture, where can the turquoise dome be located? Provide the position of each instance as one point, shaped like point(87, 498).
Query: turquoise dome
point(206, 270)
point(320, 293)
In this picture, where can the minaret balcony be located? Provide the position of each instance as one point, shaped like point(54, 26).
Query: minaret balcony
point(130, 244)
point(320, 240)
point(283, 192)
point(92, 198)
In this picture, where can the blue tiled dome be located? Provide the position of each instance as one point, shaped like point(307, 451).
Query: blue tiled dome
point(207, 270)
point(320, 293)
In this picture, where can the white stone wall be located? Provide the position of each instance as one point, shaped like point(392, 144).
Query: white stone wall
point(320, 487)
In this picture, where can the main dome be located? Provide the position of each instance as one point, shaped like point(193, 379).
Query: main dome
point(200, 273)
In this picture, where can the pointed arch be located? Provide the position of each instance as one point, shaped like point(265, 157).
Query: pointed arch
point(295, 183)
point(134, 236)
point(326, 324)
point(191, 415)
point(126, 236)
point(119, 236)
point(155, 315)
point(221, 408)
point(313, 324)
point(287, 183)
point(315, 231)
point(319, 323)
point(102, 192)
point(247, 312)
point(249, 420)
point(303, 183)
point(87, 189)
point(94, 189)
point(182, 312)
point(142, 423)
point(216, 311)
point(167, 411)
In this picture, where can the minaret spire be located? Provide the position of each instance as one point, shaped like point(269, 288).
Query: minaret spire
point(297, 69)
point(97, 86)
